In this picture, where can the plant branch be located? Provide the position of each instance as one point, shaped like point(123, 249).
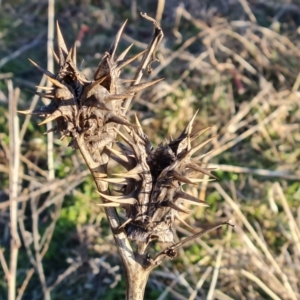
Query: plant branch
point(135, 274)
point(50, 67)
point(148, 57)
point(172, 250)
point(4, 264)
point(14, 163)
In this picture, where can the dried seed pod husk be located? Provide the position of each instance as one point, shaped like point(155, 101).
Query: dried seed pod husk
point(80, 106)
point(156, 177)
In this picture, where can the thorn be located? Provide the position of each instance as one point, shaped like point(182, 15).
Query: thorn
point(52, 117)
point(180, 177)
point(115, 180)
point(61, 57)
point(89, 88)
point(74, 55)
point(98, 174)
point(125, 223)
point(189, 198)
point(116, 152)
point(119, 120)
point(111, 204)
point(185, 135)
point(104, 68)
point(62, 48)
point(133, 173)
point(197, 180)
point(203, 155)
point(189, 130)
point(126, 161)
point(189, 126)
point(194, 135)
point(138, 124)
point(44, 110)
point(60, 40)
point(55, 56)
point(125, 62)
point(122, 135)
point(135, 177)
point(141, 86)
point(184, 222)
point(195, 149)
point(48, 88)
point(139, 127)
point(126, 80)
point(176, 207)
point(81, 65)
point(119, 199)
point(46, 72)
point(123, 54)
point(189, 146)
point(57, 83)
point(111, 97)
point(25, 112)
point(69, 55)
point(201, 170)
point(45, 95)
point(53, 129)
point(114, 45)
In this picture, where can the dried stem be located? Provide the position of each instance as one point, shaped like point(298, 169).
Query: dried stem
point(4, 264)
point(36, 244)
point(171, 251)
point(136, 275)
point(32, 106)
point(14, 181)
point(148, 57)
point(50, 67)
point(25, 283)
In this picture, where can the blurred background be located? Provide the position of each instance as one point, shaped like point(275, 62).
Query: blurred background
point(236, 61)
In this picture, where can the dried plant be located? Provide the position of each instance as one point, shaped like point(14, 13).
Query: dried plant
point(90, 112)
point(151, 190)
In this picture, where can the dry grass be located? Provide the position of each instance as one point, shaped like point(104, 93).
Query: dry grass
point(239, 65)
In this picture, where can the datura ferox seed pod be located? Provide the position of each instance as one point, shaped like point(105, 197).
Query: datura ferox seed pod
point(151, 190)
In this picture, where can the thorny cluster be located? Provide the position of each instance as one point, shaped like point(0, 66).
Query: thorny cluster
point(151, 191)
point(87, 107)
